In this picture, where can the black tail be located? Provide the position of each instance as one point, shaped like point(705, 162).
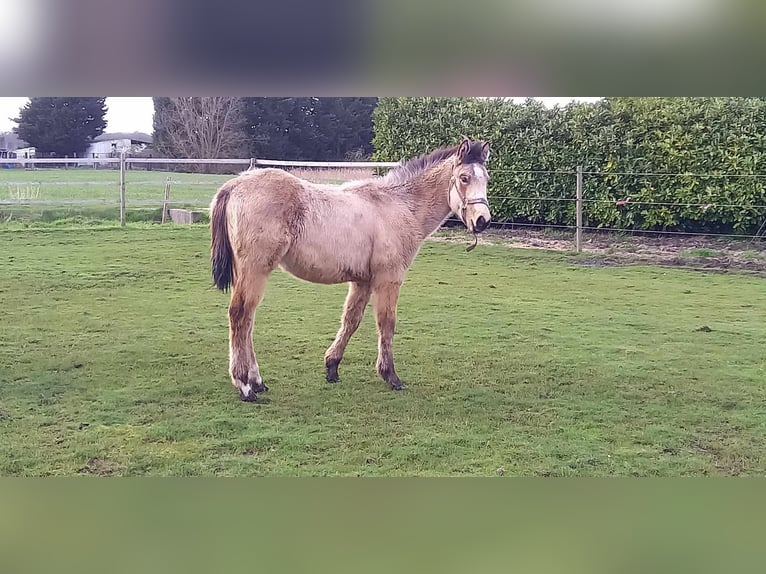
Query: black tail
point(221, 255)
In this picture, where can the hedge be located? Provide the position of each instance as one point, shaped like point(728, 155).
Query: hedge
point(700, 138)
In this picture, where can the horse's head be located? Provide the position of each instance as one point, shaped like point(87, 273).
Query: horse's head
point(468, 185)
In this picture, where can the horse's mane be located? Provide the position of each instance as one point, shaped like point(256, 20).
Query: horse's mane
point(420, 164)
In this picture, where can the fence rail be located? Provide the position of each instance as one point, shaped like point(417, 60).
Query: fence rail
point(211, 161)
point(61, 160)
point(125, 164)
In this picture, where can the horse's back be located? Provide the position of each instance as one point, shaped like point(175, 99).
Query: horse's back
point(327, 233)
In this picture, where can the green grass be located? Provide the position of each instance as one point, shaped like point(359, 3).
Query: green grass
point(103, 184)
point(113, 357)
point(98, 192)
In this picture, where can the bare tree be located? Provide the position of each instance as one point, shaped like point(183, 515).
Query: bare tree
point(200, 127)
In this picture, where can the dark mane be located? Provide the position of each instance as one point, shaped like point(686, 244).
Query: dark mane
point(418, 165)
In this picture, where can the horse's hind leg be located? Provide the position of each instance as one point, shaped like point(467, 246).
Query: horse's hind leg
point(386, 298)
point(243, 366)
point(353, 311)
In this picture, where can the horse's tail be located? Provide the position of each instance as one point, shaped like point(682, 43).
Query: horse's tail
point(221, 254)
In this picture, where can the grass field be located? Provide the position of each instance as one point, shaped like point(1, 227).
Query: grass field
point(141, 185)
point(113, 355)
point(103, 184)
point(92, 195)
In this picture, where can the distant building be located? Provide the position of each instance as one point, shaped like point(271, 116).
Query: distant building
point(103, 146)
point(12, 147)
point(25, 152)
point(10, 144)
point(111, 145)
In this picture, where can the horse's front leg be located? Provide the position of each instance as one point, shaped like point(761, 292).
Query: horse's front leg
point(386, 296)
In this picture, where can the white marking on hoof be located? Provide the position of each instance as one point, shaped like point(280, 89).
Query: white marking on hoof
point(246, 390)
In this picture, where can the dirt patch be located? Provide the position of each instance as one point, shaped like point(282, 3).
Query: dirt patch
point(100, 467)
point(332, 175)
point(731, 465)
point(609, 249)
point(597, 262)
point(724, 456)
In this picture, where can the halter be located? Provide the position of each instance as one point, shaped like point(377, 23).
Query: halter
point(464, 203)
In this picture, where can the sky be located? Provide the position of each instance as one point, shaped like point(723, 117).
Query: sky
point(135, 114)
point(123, 115)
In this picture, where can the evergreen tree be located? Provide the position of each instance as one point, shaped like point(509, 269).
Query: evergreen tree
point(322, 129)
point(61, 127)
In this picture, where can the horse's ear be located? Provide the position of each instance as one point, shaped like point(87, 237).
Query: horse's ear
point(463, 149)
point(485, 152)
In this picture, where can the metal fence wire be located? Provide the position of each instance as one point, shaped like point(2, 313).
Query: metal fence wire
point(21, 191)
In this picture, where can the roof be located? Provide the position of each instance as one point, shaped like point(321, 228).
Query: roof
point(133, 136)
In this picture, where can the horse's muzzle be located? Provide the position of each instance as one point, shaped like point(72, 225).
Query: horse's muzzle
point(480, 224)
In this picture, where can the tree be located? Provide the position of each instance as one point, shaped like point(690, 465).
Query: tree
point(278, 127)
point(61, 126)
point(199, 127)
point(162, 107)
point(309, 128)
point(343, 127)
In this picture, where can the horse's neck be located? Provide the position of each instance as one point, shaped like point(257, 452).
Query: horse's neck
point(431, 194)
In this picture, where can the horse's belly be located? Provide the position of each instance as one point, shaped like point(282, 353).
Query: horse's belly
point(333, 257)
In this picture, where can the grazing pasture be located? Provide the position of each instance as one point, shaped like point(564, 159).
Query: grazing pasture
point(87, 195)
point(103, 184)
point(113, 349)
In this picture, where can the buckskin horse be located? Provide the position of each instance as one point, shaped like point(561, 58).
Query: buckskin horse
point(365, 233)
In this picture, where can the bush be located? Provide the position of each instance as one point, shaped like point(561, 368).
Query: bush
point(623, 139)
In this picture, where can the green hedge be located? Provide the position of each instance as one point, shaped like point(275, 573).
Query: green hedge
point(709, 136)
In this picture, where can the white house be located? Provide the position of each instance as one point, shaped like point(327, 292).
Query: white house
point(25, 152)
point(10, 145)
point(111, 145)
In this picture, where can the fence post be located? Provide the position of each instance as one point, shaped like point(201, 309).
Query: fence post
point(167, 199)
point(122, 188)
point(253, 161)
point(578, 232)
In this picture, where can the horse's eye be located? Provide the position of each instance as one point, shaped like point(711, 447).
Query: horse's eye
point(464, 178)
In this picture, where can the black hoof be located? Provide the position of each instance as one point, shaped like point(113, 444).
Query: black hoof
point(250, 397)
point(397, 385)
point(260, 387)
point(332, 372)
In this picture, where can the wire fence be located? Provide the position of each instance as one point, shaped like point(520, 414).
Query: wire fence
point(132, 188)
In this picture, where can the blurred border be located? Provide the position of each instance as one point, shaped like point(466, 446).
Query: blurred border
point(481, 48)
point(382, 525)
point(376, 47)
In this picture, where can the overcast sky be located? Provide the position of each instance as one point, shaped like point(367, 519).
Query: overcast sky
point(135, 114)
point(124, 115)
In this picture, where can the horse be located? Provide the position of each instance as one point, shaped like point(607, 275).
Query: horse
point(365, 233)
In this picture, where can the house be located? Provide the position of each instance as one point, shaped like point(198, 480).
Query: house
point(12, 147)
point(111, 145)
point(10, 144)
point(25, 152)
